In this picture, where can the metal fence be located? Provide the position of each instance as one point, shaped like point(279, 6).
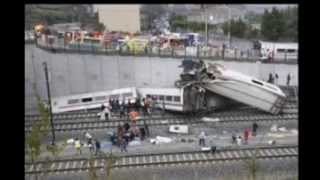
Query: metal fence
point(177, 52)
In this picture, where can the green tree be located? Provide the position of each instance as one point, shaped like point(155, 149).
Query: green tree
point(273, 25)
point(39, 130)
point(150, 13)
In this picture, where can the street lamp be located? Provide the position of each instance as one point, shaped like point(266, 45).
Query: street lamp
point(229, 26)
point(49, 100)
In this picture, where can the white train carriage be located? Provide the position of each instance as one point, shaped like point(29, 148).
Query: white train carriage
point(92, 100)
point(184, 99)
point(244, 89)
point(171, 97)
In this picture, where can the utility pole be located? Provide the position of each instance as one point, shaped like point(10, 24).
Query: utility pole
point(229, 26)
point(49, 100)
point(206, 22)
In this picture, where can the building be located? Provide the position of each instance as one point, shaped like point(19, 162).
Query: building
point(119, 17)
point(216, 14)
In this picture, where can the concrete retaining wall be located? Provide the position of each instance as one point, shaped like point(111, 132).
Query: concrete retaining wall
point(75, 73)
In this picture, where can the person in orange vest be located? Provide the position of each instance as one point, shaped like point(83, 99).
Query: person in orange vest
point(133, 116)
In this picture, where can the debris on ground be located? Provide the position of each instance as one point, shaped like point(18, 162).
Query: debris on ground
point(274, 128)
point(182, 129)
point(160, 140)
point(70, 141)
point(283, 129)
point(135, 142)
point(294, 131)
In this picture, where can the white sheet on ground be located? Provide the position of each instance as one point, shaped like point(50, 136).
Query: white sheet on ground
point(160, 140)
point(207, 119)
point(70, 141)
point(183, 129)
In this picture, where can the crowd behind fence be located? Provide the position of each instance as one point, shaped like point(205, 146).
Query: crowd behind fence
point(214, 53)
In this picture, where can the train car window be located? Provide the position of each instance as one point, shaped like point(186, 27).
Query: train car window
point(154, 97)
point(100, 98)
point(280, 50)
point(161, 98)
point(86, 99)
point(115, 96)
point(73, 101)
point(176, 98)
point(291, 50)
point(257, 82)
point(168, 98)
point(127, 95)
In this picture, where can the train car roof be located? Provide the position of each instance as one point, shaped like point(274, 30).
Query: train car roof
point(228, 73)
point(173, 90)
point(97, 93)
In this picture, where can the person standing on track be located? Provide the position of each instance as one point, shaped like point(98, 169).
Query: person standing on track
point(254, 129)
point(202, 137)
point(246, 135)
point(77, 145)
point(97, 144)
point(288, 79)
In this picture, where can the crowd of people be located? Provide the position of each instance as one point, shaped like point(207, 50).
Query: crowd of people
point(239, 140)
point(125, 133)
point(274, 79)
point(126, 108)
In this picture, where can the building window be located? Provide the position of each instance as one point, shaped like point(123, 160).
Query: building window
point(161, 98)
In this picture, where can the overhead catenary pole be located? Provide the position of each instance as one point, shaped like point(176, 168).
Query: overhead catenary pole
point(229, 26)
point(206, 16)
point(49, 100)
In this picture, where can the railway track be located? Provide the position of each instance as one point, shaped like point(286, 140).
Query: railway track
point(162, 159)
point(289, 108)
point(174, 120)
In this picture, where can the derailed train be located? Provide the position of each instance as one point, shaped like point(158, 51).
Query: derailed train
point(184, 99)
point(202, 88)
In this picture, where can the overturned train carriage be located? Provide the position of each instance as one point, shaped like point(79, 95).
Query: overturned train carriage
point(239, 87)
point(185, 99)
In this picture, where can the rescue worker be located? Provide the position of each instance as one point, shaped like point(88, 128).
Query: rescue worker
point(246, 135)
point(122, 110)
point(97, 144)
point(133, 116)
point(234, 139)
point(88, 136)
point(123, 145)
point(276, 79)
point(288, 79)
point(120, 134)
point(254, 129)
point(163, 107)
point(202, 139)
point(77, 145)
point(239, 140)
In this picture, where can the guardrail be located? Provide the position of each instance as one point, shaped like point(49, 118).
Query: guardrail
point(155, 51)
